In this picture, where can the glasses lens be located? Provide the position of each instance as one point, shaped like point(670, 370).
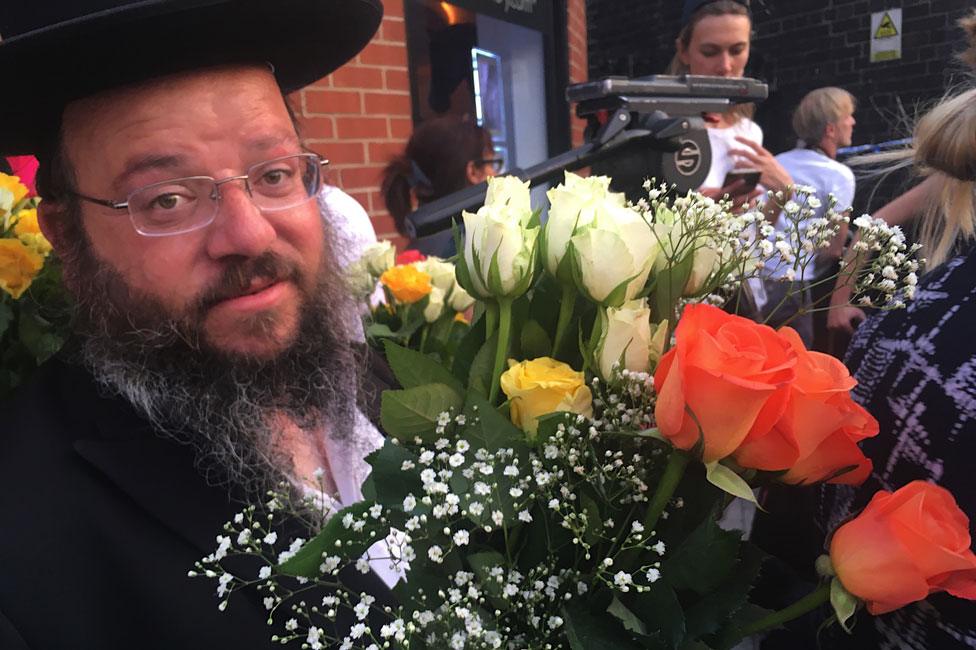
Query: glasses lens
point(173, 207)
point(285, 182)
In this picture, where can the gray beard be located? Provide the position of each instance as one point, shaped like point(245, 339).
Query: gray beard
point(223, 406)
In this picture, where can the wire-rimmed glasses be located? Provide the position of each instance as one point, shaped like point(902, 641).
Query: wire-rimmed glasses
point(182, 205)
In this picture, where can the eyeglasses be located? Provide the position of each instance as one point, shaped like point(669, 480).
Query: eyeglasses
point(183, 205)
point(497, 164)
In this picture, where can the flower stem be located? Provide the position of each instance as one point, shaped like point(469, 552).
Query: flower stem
point(673, 471)
point(491, 319)
point(806, 604)
point(501, 352)
point(566, 306)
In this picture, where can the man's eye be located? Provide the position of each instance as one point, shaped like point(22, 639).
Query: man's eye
point(275, 176)
point(167, 201)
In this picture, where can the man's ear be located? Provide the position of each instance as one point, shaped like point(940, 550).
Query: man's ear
point(50, 218)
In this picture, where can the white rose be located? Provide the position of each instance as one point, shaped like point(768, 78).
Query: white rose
point(441, 272)
point(614, 256)
point(435, 304)
point(706, 261)
point(510, 191)
point(460, 299)
point(379, 257)
point(659, 334)
point(627, 338)
point(573, 207)
point(498, 237)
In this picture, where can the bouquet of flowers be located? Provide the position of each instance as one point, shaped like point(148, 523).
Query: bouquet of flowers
point(422, 304)
point(33, 307)
point(555, 481)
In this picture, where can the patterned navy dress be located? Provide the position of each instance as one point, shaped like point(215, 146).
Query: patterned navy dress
point(916, 372)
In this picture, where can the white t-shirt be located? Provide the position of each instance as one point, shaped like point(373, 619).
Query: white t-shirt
point(827, 176)
point(349, 223)
point(722, 141)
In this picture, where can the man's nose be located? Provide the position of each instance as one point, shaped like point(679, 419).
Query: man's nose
point(240, 228)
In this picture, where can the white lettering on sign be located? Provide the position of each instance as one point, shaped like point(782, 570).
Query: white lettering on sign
point(525, 6)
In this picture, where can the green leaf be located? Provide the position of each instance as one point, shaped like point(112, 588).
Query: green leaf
point(468, 348)
point(336, 539)
point(629, 620)
point(717, 606)
point(479, 377)
point(414, 368)
point(379, 331)
point(481, 564)
point(660, 611)
point(594, 522)
point(588, 631)
point(728, 481)
point(489, 429)
point(388, 484)
point(6, 316)
point(38, 335)
point(844, 603)
point(534, 341)
point(412, 412)
point(702, 561)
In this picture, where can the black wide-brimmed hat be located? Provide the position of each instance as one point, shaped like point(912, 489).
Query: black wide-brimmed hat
point(55, 51)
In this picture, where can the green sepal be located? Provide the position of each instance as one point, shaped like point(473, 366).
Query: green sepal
point(725, 479)
point(844, 603)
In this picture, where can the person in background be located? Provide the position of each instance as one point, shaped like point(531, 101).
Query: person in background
point(714, 40)
point(444, 155)
point(916, 368)
point(823, 122)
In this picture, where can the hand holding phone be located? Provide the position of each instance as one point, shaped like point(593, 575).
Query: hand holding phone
point(741, 181)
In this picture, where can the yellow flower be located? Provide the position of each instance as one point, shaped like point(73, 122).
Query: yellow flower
point(542, 386)
point(18, 266)
point(29, 232)
point(406, 283)
point(13, 185)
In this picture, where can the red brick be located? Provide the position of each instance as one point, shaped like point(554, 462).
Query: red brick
point(382, 54)
point(387, 104)
point(357, 76)
point(360, 128)
point(393, 8)
point(353, 178)
point(401, 128)
point(332, 101)
point(394, 30)
point(397, 80)
point(383, 152)
point(383, 224)
point(316, 128)
point(341, 153)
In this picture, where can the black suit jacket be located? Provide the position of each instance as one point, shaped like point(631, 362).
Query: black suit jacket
point(102, 519)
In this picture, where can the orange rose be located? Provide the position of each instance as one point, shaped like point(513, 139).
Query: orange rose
point(904, 546)
point(816, 437)
point(407, 283)
point(729, 372)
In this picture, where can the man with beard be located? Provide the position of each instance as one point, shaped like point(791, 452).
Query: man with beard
point(211, 357)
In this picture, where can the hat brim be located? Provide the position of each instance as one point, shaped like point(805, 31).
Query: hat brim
point(304, 40)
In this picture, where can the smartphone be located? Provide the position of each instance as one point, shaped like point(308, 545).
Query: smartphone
point(750, 176)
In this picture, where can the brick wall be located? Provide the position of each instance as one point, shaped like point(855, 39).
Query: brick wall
point(801, 45)
point(360, 116)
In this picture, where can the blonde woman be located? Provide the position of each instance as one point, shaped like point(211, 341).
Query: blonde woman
point(916, 367)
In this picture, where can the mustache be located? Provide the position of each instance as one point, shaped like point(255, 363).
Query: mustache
point(238, 278)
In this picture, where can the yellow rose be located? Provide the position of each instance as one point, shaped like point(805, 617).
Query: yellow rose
point(18, 266)
point(542, 386)
point(29, 231)
point(406, 283)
